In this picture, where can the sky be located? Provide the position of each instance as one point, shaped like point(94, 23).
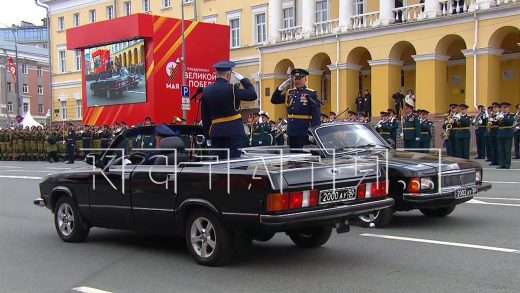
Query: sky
point(18, 10)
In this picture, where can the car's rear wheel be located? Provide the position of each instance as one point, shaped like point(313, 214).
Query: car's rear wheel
point(68, 221)
point(380, 218)
point(208, 241)
point(438, 212)
point(313, 237)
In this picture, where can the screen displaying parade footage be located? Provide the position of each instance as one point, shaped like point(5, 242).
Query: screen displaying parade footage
point(115, 74)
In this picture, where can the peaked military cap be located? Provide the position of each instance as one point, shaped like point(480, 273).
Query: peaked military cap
point(164, 130)
point(425, 111)
point(297, 72)
point(332, 113)
point(352, 112)
point(517, 106)
point(224, 65)
point(453, 105)
point(390, 111)
point(383, 113)
point(147, 118)
point(323, 115)
point(463, 106)
point(480, 106)
point(507, 104)
point(496, 104)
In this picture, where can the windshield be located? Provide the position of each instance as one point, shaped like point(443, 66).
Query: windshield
point(345, 137)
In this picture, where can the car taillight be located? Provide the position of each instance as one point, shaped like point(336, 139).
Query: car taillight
point(292, 200)
point(414, 185)
point(371, 189)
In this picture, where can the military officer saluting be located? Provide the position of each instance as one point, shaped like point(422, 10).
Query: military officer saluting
point(461, 132)
point(220, 103)
point(411, 125)
point(393, 123)
point(426, 130)
point(303, 107)
point(382, 126)
point(505, 120)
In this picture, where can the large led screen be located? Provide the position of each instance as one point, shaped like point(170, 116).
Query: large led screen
point(115, 74)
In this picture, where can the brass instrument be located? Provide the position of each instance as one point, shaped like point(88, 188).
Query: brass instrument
point(448, 122)
point(516, 124)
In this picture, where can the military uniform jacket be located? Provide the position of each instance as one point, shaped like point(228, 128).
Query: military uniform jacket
point(493, 130)
point(481, 126)
point(300, 103)
point(426, 131)
point(461, 127)
point(221, 101)
point(87, 135)
point(411, 127)
point(71, 137)
point(505, 126)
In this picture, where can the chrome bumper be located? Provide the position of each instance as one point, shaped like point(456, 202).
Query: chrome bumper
point(446, 193)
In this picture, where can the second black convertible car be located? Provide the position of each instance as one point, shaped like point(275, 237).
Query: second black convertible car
point(179, 188)
point(424, 181)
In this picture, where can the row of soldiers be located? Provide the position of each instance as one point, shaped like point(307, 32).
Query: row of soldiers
point(51, 143)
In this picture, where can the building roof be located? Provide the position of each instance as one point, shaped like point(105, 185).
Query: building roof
point(25, 51)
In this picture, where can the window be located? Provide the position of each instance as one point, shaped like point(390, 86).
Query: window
point(110, 12)
point(40, 71)
point(92, 15)
point(63, 110)
point(61, 23)
point(10, 106)
point(40, 108)
point(146, 5)
point(25, 107)
point(40, 90)
point(260, 28)
point(234, 24)
point(9, 87)
point(77, 60)
point(288, 17)
point(79, 109)
point(75, 19)
point(128, 7)
point(24, 69)
point(62, 61)
point(322, 11)
point(359, 7)
point(25, 88)
point(166, 3)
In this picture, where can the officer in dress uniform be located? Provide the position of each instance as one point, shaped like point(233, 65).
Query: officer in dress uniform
point(462, 133)
point(411, 125)
point(492, 136)
point(332, 116)
point(104, 137)
point(516, 136)
point(480, 123)
point(261, 129)
point(220, 103)
point(71, 143)
point(505, 136)
point(303, 108)
point(426, 130)
point(382, 126)
point(393, 122)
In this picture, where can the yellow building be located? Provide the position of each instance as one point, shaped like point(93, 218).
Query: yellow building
point(446, 51)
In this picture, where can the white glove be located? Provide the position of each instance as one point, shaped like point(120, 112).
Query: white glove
point(237, 75)
point(284, 85)
point(417, 138)
point(401, 135)
point(208, 142)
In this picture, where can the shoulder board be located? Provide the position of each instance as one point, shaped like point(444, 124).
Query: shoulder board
point(311, 89)
point(237, 85)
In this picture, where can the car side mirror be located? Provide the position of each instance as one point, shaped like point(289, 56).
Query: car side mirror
point(200, 139)
point(391, 142)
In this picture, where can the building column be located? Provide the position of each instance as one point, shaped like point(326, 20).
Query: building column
point(308, 13)
point(275, 20)
point(386, 13)
point(386, 80)
point(345, 87)
point(346, 11)
point(431, 86)
point(488, 75)
point(432, 8)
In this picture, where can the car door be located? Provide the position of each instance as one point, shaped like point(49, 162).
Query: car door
point(109, 194)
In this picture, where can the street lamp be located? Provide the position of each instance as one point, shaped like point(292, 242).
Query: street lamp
point(17, 87)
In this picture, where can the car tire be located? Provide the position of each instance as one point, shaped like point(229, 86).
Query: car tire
point(438, 212)
point(202, 226)
point(264, 237)
point(380, 218)
point(67, 221)
point(109, 94)
point(312, 238)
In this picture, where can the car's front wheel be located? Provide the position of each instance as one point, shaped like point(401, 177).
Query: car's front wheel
point(313, 237)
point(68, 221)
point(208, 241)
point(379, 219)
point(438, 212)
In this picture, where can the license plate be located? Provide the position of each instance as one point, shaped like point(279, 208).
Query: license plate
point(465, 192)
point(337, 195)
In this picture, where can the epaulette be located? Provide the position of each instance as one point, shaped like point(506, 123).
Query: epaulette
point(311, 89)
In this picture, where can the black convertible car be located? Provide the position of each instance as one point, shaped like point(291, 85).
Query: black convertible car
point(109, 84)
point(417, 180)
point(180, 188)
